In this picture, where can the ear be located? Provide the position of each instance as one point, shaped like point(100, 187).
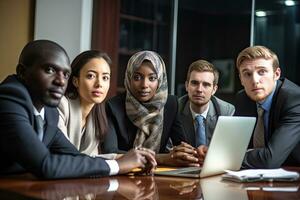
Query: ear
point(75, 81)
point(277, 73)
point(215, 89)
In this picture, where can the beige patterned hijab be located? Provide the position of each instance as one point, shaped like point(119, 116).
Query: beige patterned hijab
point(147, 116)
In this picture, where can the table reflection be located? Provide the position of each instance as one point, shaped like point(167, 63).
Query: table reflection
point(145, 187)
point(214, 188)
point(178, 188)
point(120, 187)
point(137, 187)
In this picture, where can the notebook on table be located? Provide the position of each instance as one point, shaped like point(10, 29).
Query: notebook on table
point(226, 150)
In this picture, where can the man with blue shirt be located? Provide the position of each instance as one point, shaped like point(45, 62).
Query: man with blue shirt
point(275, 102)
point(198, 112)
point(200, 108)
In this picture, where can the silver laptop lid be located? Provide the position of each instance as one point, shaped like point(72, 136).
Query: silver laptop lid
point(228, 145)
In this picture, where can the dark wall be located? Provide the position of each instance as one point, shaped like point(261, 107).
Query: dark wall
point(210, 36)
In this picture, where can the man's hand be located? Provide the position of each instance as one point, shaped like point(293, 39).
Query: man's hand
point(202, 150)
point(181, 155)
point(137, 158)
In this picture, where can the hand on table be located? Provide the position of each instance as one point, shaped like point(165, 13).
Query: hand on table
point(137, 158)
point(181, 155)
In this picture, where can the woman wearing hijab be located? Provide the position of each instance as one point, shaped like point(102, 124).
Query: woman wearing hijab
point(145, 115)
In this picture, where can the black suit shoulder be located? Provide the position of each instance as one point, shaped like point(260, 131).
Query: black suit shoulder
point(21, 149)
point(287, 94)
point(15, 97)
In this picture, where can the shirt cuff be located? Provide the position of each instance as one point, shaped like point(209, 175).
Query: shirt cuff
point(113, 185)
point(113, 166)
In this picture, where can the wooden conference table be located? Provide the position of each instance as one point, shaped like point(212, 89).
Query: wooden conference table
point(145, 187)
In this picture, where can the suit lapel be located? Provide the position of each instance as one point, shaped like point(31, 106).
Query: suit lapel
point(50, 129)
point(49, 133)
point(211, 121)
point(277, 102)
point(187, 121)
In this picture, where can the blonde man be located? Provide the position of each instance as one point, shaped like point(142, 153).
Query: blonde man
point(275, 102)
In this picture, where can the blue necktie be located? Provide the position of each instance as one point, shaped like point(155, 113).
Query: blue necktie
point(200, 131)
point(39, 125)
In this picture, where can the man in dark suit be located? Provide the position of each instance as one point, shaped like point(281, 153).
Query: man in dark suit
point(34, 144)
point(275, 102)
point(201, 85)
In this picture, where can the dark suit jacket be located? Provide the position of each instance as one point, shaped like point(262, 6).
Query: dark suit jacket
point(217, 107)
point(22, 151)
point(283, 147)
point(121, 133)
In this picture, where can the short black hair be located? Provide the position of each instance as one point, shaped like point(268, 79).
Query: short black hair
point(36, 50)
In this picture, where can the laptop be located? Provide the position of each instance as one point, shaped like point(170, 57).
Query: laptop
point(226, 149)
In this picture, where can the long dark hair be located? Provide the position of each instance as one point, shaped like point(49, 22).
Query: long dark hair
point(98, 111)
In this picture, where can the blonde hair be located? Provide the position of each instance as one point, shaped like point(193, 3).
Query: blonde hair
point(203, 66)
point(255, 52)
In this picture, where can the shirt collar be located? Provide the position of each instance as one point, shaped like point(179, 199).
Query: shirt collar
point(266, 104)
point(204, 114)
point(41, 113)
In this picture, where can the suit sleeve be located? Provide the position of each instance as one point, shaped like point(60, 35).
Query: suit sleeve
point(20, 143)
point(285, 134)
point(60, 144)
point(284, 139)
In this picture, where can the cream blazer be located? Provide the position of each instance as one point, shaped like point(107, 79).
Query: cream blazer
point(70, 124)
